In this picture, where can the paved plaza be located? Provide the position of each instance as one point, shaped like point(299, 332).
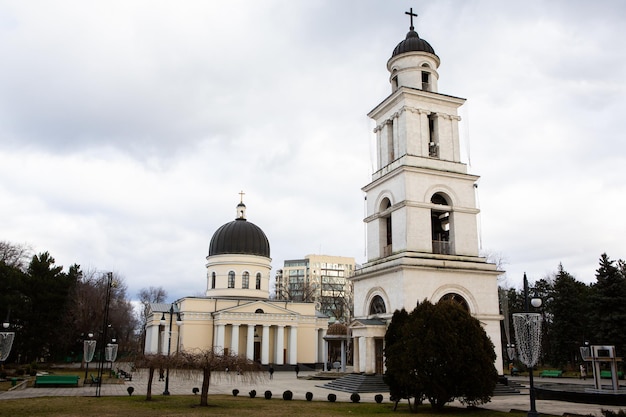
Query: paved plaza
point(282, 381)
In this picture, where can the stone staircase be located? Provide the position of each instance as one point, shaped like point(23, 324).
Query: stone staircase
point(507, 387)
point(374, 384)
point(358, 383)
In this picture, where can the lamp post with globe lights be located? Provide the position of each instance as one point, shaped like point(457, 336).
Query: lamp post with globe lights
point(179, 322)
point(528, 335)
point(6, 342)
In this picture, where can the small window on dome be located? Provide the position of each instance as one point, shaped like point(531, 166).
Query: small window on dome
point(258, 280)
point(231, 279)
point(245, 280)
point(213, 278)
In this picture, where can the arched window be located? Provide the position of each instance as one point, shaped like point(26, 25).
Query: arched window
point(213, 278)
point(245, 280)
point(440, 225)
point(259, 311)
point(456, 298)
point(258, 280)
point(377, 306)
point(231, 279)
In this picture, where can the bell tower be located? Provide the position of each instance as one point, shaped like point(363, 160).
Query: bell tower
point(421, 212)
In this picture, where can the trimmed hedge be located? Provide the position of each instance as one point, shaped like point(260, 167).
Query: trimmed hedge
point(235, 392)
point(378, 398)
point(287, 395)
point(268, 395)
point(252, 393)
point(355, 397)
point(309, 396)
point(332, 398)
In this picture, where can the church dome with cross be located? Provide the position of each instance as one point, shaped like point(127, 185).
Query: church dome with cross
point(240, 237)
point(412, 42)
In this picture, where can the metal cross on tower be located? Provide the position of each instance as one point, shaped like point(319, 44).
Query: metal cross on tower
point(411, 14)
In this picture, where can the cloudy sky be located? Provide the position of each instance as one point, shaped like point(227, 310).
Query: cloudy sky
point(128, 128)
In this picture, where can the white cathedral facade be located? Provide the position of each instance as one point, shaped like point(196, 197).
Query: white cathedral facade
point(422, 233)
point(422, 243)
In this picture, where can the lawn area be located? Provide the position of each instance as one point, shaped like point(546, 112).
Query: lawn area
point(219, 405)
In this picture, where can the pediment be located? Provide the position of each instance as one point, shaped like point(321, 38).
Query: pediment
point(267, 307)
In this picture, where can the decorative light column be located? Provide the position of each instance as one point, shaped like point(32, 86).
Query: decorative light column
point(89, 348)
point(528, 335)
point(6, 342)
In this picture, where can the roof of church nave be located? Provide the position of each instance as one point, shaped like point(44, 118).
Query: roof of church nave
point(240, 237)
point(412, 42)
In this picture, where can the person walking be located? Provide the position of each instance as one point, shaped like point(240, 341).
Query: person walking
point(583, 372)
point(271, 371)
point(297, 369)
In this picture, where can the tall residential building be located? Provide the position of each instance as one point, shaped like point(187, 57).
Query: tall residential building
point(321, 279)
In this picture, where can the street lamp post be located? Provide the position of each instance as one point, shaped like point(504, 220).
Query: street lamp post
point(528, 335)
point(169, 344)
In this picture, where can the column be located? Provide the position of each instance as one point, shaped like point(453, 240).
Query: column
point(325, 355)
point(163, 343)
point(250, 343)
point(265, 345)
point(343, 355)
point(362, 354)
point(279, 348)
point(356, 355)
point(293, 345)
point(219, 337)
point(370, 364)
point(234, 340)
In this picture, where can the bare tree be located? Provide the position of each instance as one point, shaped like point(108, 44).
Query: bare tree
point(15, 256)
point(186, 364)
point(148, 296)
point(208, 360)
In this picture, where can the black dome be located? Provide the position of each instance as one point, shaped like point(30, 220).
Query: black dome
point(239, 237)
point(413, 43)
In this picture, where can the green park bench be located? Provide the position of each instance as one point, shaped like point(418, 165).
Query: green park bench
point(607, 374)
point(551, 373)
point(56, 380)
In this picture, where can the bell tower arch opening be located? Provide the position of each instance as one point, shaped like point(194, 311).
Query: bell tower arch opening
point(386, 229)
point(440, 220)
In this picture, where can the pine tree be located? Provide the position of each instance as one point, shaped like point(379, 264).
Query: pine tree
point(570, 318)
point(609, 308)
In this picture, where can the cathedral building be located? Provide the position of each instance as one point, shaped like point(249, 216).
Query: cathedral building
point(236, 314)
point(421, 211)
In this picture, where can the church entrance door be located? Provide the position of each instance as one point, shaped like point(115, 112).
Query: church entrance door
point(257, 351)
